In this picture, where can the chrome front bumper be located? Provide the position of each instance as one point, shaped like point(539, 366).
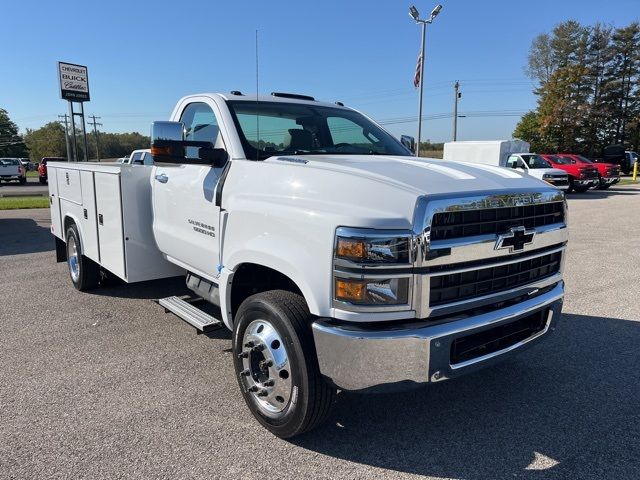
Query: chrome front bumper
point(590, 182)
point(358, 357)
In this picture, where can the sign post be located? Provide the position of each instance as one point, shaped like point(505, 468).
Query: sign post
point(74, 87)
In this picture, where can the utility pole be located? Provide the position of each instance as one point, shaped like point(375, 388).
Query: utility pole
point(66, 134)
point(458, 95)
point(95, 132)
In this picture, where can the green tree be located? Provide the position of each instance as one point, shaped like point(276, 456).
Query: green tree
point(47, 141)
point(528, 129)
point(561, 109)
point(11, 143)
point(620, 87)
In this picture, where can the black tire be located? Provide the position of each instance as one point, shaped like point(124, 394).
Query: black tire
point(311, 397)
point(604, 186)
point(580, 189)
point(43, 180)
point(87, 276)
point(23, 180)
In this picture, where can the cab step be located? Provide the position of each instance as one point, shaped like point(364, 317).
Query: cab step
point(184, 308)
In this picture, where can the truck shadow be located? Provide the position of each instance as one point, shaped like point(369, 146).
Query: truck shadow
point(24, 235)
point(565, 409)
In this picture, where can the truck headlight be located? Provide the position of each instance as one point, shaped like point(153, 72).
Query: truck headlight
point(373, 249)
point(389, 291)
point(547, 176)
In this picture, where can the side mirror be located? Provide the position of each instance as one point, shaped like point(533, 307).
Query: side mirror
point(168, 146)
point(408, 142)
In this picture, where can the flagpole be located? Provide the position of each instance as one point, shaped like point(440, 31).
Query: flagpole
point(424, 35)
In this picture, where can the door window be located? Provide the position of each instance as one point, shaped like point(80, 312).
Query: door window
point(200, 125)
point(514, 162)
point(136, 158)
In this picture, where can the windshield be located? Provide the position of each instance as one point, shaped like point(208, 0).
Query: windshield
point(535, 161)
point(274, 128)
point(9, 161)
point(582, 159)
point(561, 160)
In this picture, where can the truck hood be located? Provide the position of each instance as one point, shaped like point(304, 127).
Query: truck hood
point(551, 171)
point(419, 176)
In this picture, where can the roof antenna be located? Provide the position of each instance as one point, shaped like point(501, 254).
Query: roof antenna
point(257, 112)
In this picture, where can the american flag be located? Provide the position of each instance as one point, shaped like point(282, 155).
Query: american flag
point(416, 77)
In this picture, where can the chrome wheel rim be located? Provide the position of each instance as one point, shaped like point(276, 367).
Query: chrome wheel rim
point(266, 373)
point(72, 259)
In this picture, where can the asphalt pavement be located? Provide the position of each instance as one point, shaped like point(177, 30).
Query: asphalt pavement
point(32, 187)
point(107, 385)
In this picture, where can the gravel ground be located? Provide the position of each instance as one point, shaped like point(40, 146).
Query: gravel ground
point(106, 385)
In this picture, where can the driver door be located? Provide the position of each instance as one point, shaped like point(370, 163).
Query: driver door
point(186, 218)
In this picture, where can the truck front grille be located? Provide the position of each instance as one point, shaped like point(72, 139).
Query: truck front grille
point(498, 338)
point(457, 224)
point(454, 287)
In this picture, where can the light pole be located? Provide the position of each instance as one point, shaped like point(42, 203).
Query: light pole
point(413, 12)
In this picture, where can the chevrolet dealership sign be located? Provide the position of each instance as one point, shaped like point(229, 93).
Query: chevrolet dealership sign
point(74, 82)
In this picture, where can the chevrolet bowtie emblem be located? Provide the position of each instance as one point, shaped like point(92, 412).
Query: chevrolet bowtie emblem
point(515, 239)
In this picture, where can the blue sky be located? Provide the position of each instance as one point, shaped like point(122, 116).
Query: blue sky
point(143, 56)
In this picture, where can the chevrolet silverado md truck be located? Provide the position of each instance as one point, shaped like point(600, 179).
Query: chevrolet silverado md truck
point(337, 259)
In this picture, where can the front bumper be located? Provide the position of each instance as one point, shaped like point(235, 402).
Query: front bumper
point(357, 357)
point(609, 180)
point(591, 182)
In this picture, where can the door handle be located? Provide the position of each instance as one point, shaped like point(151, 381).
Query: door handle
point(162, 178)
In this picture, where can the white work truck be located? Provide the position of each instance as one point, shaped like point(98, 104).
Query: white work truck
point(337, 259)
point(512, 154)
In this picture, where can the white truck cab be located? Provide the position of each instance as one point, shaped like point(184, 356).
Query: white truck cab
point(337, 258)
point(512, 154)
point(139, 157)
point(536, 166)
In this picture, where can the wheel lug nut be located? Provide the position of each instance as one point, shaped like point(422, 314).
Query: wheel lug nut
point(249, 344)
point(245, 373)
point(258, 348)
point(262, 393)
point(254, 388)
point(269, 383)
point(243, 355)
point(266, 364)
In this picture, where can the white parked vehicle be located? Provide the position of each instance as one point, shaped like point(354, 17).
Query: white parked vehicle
point(11, 169)
point(337, 259)
point(512, 154)
point(139, 157)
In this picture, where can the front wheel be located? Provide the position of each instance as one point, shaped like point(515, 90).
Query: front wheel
point(276, 364)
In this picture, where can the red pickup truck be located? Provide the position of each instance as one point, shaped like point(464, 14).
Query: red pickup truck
point(608, 173)
point(581, 177)
point(42, 168)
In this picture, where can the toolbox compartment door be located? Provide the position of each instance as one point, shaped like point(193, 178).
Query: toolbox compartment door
point(110, 231)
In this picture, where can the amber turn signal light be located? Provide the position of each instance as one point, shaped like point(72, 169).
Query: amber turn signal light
point(350, 290)
point(351, 248)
